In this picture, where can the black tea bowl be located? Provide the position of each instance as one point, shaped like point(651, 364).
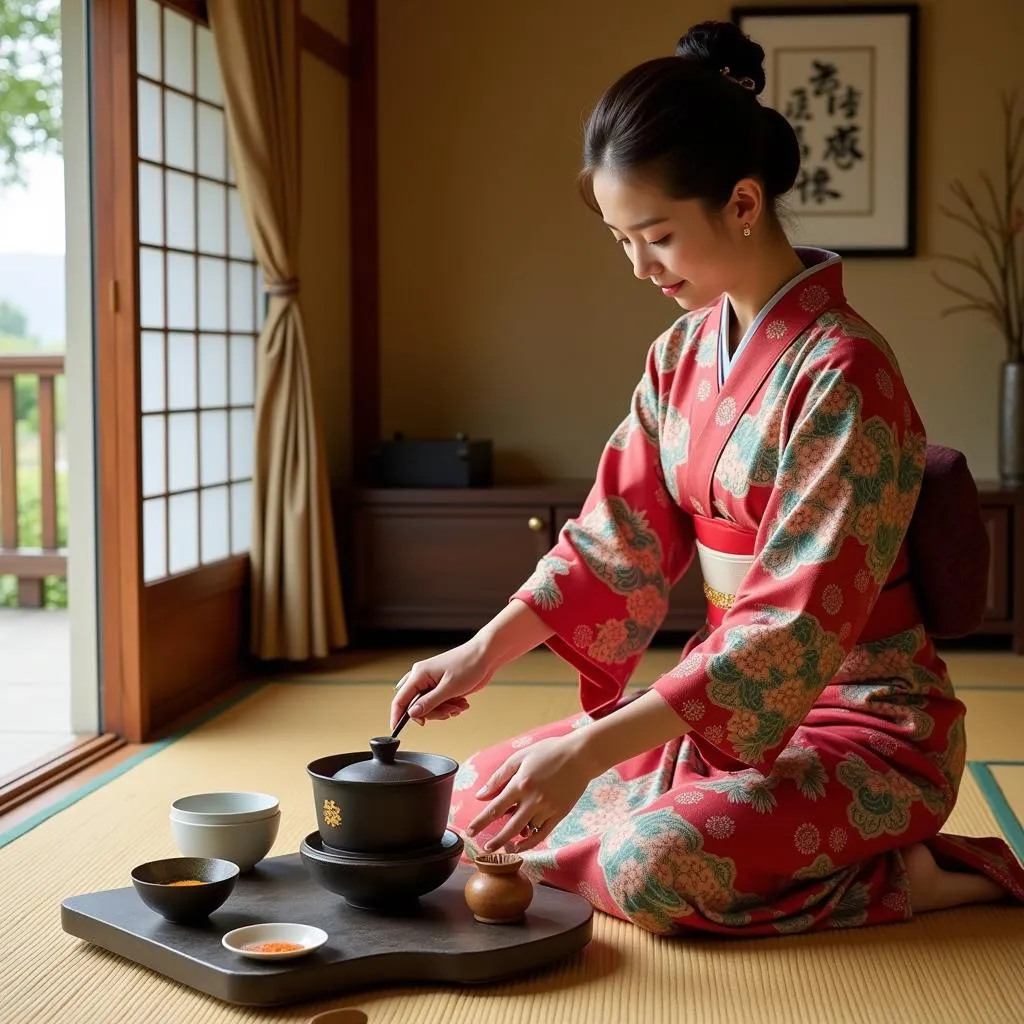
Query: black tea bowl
point(382, 883)
point(184, 904)
point(382, 817)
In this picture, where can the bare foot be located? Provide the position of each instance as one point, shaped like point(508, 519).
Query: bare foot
point(934, 888)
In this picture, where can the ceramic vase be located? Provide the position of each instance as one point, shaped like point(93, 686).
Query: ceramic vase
point(1011, 425)
point(497, 892)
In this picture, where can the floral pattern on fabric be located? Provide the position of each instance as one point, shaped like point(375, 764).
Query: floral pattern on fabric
point(800, 765)
point(751, 456)
point(768, 678)
point(643, 417)
point(869, 490)
point(543, 585)
point(674, 449)
point(619, 548)
point(658, 872)
point(881, 802)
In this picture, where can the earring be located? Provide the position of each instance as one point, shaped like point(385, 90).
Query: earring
point(746, 230)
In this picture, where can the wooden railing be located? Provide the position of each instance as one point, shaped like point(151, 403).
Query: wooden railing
point(30, 565)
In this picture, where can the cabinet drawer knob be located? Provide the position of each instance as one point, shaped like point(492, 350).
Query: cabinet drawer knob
point(536, 524)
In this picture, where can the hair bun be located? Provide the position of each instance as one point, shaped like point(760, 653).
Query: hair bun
point(721, 45)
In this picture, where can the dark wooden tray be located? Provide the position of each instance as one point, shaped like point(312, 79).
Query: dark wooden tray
point(439, 941)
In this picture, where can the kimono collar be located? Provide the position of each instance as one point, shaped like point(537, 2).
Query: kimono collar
point(798, 305)
point(814, 260)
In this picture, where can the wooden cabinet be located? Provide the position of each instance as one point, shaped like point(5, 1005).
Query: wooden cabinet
point(441, 566)
point(449, 559)
point(1003, 510)
point(997, 521)
point(433, 559)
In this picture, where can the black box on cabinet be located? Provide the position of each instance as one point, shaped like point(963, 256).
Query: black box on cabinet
point(442, 462)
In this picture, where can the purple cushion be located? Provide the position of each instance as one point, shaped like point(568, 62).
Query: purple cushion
point(949, 546)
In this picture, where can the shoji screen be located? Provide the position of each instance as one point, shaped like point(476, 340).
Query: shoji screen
point(200, 306)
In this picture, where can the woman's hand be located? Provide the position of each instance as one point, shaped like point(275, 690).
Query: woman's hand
point(540, 784)
point(437, 688)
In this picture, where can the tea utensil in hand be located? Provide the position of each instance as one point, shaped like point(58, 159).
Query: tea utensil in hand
point(401, 725)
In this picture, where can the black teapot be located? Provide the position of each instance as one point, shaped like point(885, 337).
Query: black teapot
point(382, 803)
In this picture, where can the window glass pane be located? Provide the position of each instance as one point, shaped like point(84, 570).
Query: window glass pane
point(180, 113)
point(241, 443)
point(150, 122)
point(182, 471)
point(154, 479)
point(238, 233)
point(181, 290)
point(178, 51)
point(213, 452)
point(151, 205)
point(242, 305)
point(243, 370)
point(213, 294)
point(151, 287)
point(152, 398)
point(147, 34)
point(181, 211)
point(213, 370)
point(154, 539)
point(241, 517)
point(216, 530)
point(212, 218)
point(181, 371)
point(211, 142)
point(184, 521)
point(207, 69)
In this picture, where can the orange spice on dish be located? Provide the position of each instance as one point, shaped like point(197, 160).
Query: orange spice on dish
point(272, 947)
point(187, 881)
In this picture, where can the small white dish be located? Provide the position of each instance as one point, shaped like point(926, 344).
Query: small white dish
point(305, 935)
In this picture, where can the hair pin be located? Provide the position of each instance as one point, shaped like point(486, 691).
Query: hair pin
point(746, 82)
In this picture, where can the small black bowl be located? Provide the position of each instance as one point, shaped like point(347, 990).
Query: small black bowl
point(382, 817)
point(384, 883)
point(183, 904)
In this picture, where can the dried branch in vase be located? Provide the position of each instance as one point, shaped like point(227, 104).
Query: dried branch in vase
point(998, 290)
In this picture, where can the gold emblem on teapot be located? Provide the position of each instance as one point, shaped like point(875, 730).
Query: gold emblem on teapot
point(332, 814)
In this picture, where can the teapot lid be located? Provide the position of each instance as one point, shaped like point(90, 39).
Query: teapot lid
point(384, 766)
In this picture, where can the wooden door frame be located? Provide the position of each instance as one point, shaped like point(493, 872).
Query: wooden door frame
point(125, 707)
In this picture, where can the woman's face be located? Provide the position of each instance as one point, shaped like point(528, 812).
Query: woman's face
point(674, 243)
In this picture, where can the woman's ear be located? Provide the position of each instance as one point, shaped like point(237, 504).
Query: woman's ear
point(747, 203)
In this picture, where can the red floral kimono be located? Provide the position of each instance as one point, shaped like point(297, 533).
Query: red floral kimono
point(825, 733)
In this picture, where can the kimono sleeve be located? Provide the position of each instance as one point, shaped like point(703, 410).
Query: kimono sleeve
point(846, 485)
point(604, 587)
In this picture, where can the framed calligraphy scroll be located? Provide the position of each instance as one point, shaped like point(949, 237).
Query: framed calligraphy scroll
point(846, 80)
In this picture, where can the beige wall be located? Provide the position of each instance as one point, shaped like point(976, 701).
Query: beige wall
point(508, 312)
point(324, 247)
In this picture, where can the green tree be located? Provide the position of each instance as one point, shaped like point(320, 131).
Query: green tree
point(30, 83)
point(12, 320)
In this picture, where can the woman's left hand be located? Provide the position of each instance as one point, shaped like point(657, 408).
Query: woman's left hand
point(540, 784)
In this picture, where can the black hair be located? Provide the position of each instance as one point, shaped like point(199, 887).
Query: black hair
point(693, 122)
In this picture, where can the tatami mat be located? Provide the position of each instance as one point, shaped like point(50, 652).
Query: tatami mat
point(995, 724)
point(961, 966)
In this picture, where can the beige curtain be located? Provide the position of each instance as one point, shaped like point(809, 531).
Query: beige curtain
point(296, 594)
